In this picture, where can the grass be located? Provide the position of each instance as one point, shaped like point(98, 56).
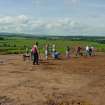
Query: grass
point(63, 100)
point(11, 45)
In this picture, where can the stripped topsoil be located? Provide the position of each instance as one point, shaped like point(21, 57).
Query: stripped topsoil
point(76, 81)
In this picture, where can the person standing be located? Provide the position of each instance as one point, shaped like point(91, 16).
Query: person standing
point(78, 53)
point(87, 50)
point(46, 51)
point(53, 48)
point(35, 54)
point(93, 51)
point(90, 51)
point(68, 52)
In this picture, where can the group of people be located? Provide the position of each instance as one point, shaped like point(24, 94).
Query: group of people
point(87, 51)
point(35, 53)
point(55, 54)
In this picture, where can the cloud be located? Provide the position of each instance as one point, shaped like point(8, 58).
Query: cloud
point(21, 19)
point(26, 24)
point(59, 26)
point(13, 23)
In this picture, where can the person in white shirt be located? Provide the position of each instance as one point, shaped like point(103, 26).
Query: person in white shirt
point(46, 51)
point(87, 50)
point(53, 48)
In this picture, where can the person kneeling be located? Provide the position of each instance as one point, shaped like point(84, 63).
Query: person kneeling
point(55, 55)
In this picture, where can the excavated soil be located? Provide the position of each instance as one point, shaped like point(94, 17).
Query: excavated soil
point(74, 81)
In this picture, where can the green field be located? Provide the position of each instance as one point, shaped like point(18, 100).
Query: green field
point(17, 45)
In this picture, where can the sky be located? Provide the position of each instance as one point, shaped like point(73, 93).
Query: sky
point(53, 17)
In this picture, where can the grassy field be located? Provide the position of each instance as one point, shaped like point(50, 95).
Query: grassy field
point(16, 45)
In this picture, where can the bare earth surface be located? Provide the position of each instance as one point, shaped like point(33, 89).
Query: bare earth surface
point(77, 80)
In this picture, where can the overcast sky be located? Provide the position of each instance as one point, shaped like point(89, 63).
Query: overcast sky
point(53, 17)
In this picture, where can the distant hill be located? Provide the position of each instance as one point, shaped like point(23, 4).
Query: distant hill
point(53, 37)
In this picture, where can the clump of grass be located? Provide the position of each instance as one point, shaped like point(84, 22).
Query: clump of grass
point(56, 101)
point(61, 100)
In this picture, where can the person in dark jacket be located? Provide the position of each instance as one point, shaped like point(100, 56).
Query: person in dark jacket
point(35, 54)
